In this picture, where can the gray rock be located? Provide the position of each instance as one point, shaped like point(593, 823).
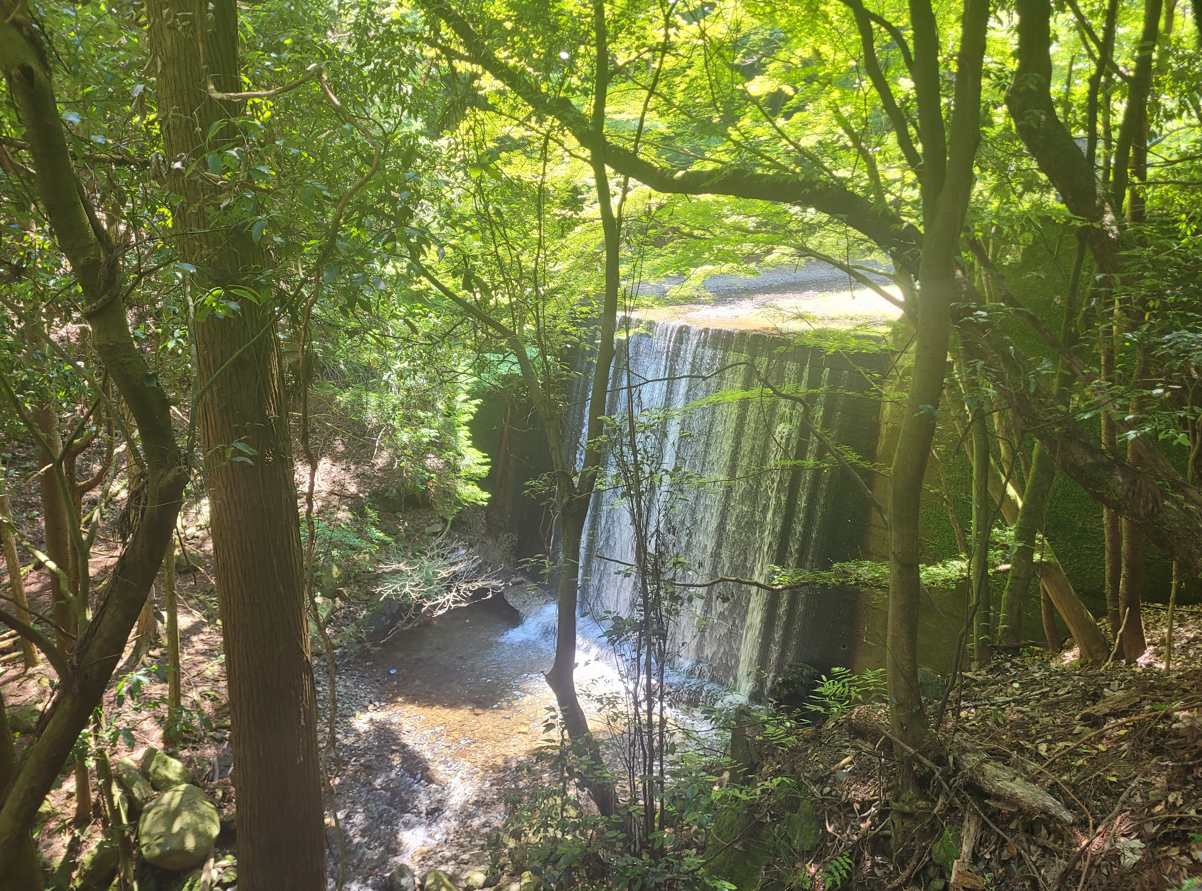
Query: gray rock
point(164, 772)
point(133, 783)
point(23, 718)
point(178, 830)
point(97, 868)
point(401, 879)
point(437, 880)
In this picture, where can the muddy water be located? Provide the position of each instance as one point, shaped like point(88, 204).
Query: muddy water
point(437, 726)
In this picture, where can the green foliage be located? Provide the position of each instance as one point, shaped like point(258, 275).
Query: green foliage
point(557, 838)
point(842, 690)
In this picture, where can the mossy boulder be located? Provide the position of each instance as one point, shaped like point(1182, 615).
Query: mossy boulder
point(97, 868)
point(133, 783)
point(178, 830)
point(165, 772)
point(437, 880)
point(741, 845)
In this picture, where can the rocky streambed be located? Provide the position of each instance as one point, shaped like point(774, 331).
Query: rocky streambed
point(439, 724)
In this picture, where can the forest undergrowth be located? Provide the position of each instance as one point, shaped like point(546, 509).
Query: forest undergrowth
point(1120, 747)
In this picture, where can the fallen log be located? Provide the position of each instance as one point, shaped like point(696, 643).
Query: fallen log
point(1008, 785)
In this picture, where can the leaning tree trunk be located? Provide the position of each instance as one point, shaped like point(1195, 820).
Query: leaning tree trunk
point(248, 468)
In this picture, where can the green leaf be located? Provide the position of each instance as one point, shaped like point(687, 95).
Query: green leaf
point(256, 230)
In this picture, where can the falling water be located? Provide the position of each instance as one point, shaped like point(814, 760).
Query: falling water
point(765, 492)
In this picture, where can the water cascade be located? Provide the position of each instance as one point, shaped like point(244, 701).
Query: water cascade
point(751, 489)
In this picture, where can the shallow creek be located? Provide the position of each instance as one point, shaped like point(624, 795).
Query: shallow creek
point(437, 724)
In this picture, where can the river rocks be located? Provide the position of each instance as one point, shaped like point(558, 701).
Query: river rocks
point(437, 880)
point(476, 881)
point(133, 783)
point(401, 879)
point(178, 830)
point(163, 771)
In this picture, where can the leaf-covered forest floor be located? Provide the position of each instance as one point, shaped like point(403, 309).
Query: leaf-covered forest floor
point(1120, 747)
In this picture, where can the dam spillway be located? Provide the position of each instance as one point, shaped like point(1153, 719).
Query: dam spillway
point(738, 484)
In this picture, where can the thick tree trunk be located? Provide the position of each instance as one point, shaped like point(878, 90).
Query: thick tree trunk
point(248, 471)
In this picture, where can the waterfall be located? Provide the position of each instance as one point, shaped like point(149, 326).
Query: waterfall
point(761, 491)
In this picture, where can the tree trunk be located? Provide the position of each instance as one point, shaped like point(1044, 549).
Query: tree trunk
point(12, 562)
point(96, 266)
point(947, 185)
point(22, 872)
point(248, 470)
point(171, 614)
point(982, 513)
point(1047, 612)
point(54, 514)
point(1026, 531)
point(1131, 592)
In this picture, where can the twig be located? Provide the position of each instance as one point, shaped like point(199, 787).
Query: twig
point(1118, 638)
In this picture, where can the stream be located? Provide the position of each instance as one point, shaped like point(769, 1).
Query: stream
point(442, 721)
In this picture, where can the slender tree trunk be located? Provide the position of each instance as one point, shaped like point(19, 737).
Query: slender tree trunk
point(947, 185)
point(1131, 584)
point(1047, 612)
point(1026, 531)
point(54, 514)
point(982, 511)
point(171, 611)
point(58, 549)
point(12, 562)
point(96, 266)
point(248, 470)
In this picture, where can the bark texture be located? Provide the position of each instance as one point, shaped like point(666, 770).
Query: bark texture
point(248, 467)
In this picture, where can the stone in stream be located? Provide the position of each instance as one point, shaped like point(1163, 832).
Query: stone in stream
point(133, 783)
point(437, 880)
point(401, 879)
point(163, 771)
point(476, 881)
point(178, 830)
